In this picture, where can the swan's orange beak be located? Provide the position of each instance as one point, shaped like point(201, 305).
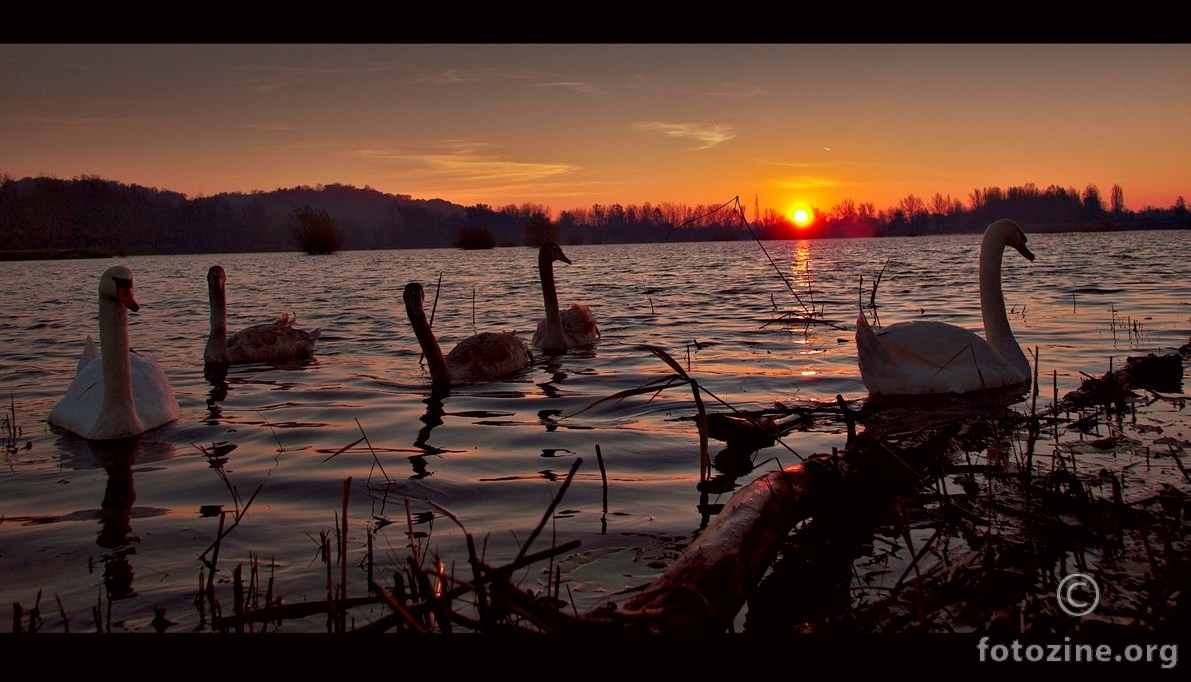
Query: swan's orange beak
point(1021, 248)
point(124, 292)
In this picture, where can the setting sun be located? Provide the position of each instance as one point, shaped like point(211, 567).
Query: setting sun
point(801, 216)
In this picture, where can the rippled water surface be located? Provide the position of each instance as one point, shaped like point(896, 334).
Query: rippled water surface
point(83, 528)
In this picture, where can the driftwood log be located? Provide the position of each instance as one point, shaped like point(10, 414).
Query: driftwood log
point(704, 589)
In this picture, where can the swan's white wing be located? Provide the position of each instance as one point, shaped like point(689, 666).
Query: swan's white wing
point(927, 357)
point(155, 401)
point(78, 409)
point(933, 357)
point(90, 352)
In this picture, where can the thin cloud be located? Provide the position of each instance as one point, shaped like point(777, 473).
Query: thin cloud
point(468, 162)
point(476, 75)
point(737, 91)
point(481, 169)
point(804, 182)
point(533, 79)
point(707, 136)
point(574, 86)
point(74, 122)
point(271, 79)
point(276, 78)
point(268, 127)
point(468, 171)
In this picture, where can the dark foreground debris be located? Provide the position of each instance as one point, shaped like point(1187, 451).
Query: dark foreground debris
point(933, 518)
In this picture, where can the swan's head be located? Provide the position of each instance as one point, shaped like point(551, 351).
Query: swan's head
point(116, 285)
point(551, 252)
point(216, 279)
point(415, 297)
point(1009, 233)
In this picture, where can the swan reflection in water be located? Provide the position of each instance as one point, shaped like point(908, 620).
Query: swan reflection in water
point(216, 375)
point(116, 510)
point(115, 515)
point(117, 458)
point(433, 417)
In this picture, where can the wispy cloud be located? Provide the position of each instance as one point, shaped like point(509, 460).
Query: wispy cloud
point(269, 127)
point(735, 90)
point(448, 76)
point(268, 79)
point(706, 135)
point(529, 78)
point(472, 166)
point(804, 182)
point(580, 87)
point(74, 122)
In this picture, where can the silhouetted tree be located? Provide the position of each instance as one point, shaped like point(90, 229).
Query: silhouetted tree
point(539, 230)
point(315, 232)
point(1092, 202)
point(475, 238)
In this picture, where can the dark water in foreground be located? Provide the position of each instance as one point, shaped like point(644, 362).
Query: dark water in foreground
point(493, 455)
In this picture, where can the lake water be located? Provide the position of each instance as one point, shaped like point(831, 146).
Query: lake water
point(127, 535)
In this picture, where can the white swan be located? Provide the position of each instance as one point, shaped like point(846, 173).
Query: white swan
point(575, 326)
point(277, 341)
point(115, 393)
point(922, 357)
point(481, 357)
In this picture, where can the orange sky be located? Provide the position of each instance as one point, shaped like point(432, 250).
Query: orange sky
point(570, 126)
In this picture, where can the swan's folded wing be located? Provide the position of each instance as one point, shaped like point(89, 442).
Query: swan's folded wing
point(78, 409)
point(90, 352)
point(580, 324)
point(156, 403)
point(539, 334)
point(920, 357)
point(926, 343)
point(488, 355)
point(267, 342)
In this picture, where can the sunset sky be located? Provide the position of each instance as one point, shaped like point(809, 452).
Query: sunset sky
point(572, 125)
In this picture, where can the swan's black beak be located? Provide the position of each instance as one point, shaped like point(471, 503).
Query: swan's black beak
point(1025, 252)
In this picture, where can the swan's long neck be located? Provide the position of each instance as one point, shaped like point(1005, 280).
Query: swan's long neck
point(118, 406)
point(549, 292)
point(439, 372)
point(216, 350)
point(997, 331)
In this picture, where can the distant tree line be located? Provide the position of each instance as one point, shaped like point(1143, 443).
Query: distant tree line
point(1054, 209)
point(87, 212)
